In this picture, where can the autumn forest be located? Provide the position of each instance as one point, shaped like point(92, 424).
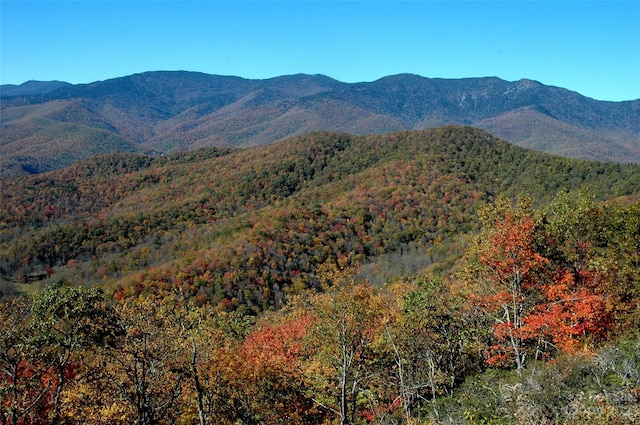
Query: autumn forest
point(439, 276)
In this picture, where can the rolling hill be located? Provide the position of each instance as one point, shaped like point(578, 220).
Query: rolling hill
point(262, 280)
point(267, 217)
point(49, 125)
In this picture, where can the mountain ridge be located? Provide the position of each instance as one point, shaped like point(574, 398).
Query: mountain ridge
point(31, 87)
point(281, 209)
point(169, 111)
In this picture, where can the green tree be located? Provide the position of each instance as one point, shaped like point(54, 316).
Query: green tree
point(64, 321)
point(145, 370)
point(25, 392)
point(348, 322)
point(438, 341)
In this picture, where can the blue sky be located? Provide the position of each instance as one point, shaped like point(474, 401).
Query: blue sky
point(590, 47)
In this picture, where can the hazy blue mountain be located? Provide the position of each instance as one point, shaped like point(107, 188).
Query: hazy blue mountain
point(30, 88)
point(46, 127)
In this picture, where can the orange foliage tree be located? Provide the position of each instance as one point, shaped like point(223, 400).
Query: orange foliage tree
point(508, 266)
point(535, 305)
point(272, 374)
point(572, 311)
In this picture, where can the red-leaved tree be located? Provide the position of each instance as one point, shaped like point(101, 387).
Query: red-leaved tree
point(536, 306)
point(509, 265)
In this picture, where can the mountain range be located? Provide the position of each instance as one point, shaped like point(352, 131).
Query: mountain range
point(249, 274)
point(49, 125)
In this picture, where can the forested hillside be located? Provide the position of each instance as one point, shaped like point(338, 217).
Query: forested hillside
point(435, 276)
point(278, 211)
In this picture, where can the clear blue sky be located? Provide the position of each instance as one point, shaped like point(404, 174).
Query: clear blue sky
point(590, 47)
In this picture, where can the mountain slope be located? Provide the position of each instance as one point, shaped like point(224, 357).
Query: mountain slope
point(532, 128)
point(248, 226)
point(174, 111)
point(366, 247)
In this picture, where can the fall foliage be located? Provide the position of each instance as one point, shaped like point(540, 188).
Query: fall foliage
point(318, 286)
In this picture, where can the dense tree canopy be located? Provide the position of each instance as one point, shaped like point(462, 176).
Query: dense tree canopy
point(533, 287)
point(326, 279)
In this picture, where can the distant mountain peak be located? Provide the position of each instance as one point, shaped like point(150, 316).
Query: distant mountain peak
point(168, 111)
point(31, 87)
point(527, 83)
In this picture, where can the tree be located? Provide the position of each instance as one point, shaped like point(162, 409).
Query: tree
point(507, 266)
point(349, 319)
point(25, 390)
point(575, 235)
point(437, 342)
point(272, 374)
point(600, 245)
point(144, 368)
point(570, 230)
point(537, 302)
point(571, 311)
point(208, 341)
point(198, 336)
point(64, 321)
